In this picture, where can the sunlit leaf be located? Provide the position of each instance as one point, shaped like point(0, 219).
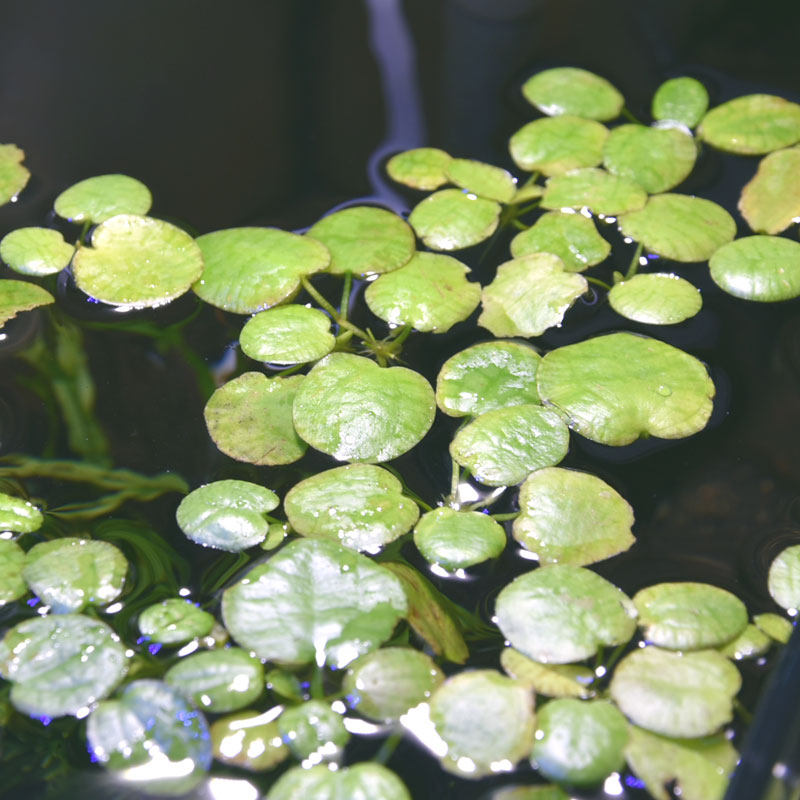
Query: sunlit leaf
point(174, 621)
point(97, 199)
point(354, 410)
point(656, 158)
point(314, 601)
point(595, 189)
point(249, 741)
point(250, 419)
point(750, 643)
point(35, 251)
point(676, 694)
point(683, 100)
point(360, 506)
point(482, 179)
point(752, 125)
point(431, 293)
point(139, 262)
point(487, 376)
point(313, 727)
point(365, 240)
point(762, 268)
point(17, 296)
point(251, 269)
point(13, 176)
point(558, 144)
point(12, 584)
point(770, 202)
point(689, 616)
point(698, 768)
point(61, 664)
point(420, 168)
point(527, 192)
point(655, 298)
point(561, 614)
point(16, 514)
point(579, 743)
point(218, 680)
point(571, 237)
point(529, 295)
point(569, 90)
point(776, 627)
point(458, 539)
point(383, 685)
point(365, 780)
point(486, 720)
point(70, 573)
point(783, 579)
point(228, 515)
point(552, 680)
point(680, 227)
point(570, 517)
point(290, 334)
point(615, 388)
point(452, 219)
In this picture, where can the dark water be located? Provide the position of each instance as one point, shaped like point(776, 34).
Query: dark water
point(273, 113)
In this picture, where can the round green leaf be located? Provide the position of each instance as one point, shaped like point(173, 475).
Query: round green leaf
point(452, 219)
point(385, 684)
point(502, 447)
point(689, 616)
point(354, 410)
point(250, 269)
point(149, 724)
point(618, 387)
point(554, 680)
point(174, 621)
point(487, 376)
point(486, 720)
point(783, 580)
point(16, 514)
point(656, 158)
point(458, 539)
point(61, 664)
point(358, 782)
point(770, 202)
point(218, 680)
point(250, 419)
point(776, 627)
point(12, 584)
point(482, 179)
point(698, 768)
point(571, 237)
point(655, 298)
point(558, 144)
point(683, 100)
point(288, 335)
point(420, 168)
point(750, 643)
point(431, 293)
point(70, 573)
point(752, 125)
point(570, 517)
point(227, 515)
point(569, 90)
point(247, 740)
point(595, 189)
point(97, 199)
point(365, 240)
point(13, 176)
point(16, 296)
point(529, 295)
point(36, 251)
point(676, 694)
point(139, 262)
point(314, 600)
point(313, 727)
point(561, 614)
point(579, 743)
point(359, 506)
point(762, 268)
point(680, 227)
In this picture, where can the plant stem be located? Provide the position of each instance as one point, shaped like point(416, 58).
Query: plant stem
point(289, 371)
point(455, 471)
point(634, 265)
point(388, 748)
point(598, 282)
point(520, 226)
point(742, 711)
point(316, 687)
point(337, 317)
point(344, 304)
point(505, 517)
point(628, 116)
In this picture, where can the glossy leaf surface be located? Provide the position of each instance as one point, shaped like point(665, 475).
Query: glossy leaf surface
point(452, 219)
point(482, 179)
point(174, 621)
point(18, 515)
point(35, 251)
point(247, 740)
point(12, 584)
point(17, 296)
point(569, 90)
point(13, 176)
point(290, 334)
point(313, 727)
point(420, 168)
point(776, 627)
point(683, 100)
point(770, 202)
point(655, 298)
point(359, 782)
point(783, 579)
point(551, 680)
point(97, 199)
point(595, 189)
point(458, 539)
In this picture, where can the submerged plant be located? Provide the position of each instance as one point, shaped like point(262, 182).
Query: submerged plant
point(337, 633)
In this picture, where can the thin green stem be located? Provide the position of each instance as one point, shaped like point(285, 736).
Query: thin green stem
point(505, 517)
point(403, 335)
point(289, 371)
point(742, 711)
point(634, 265)
point(316, 687)
point(455, 472)
point(337, 317)
point(387, 748)
point(598, 282)
point(630, 117)
point(520, 226)
point(344, 304)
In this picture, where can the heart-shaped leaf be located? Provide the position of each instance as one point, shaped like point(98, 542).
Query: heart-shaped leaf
point(287, 335)
point(458, 539)
point(482, 179)
point(16, 514)
point(683, 100)
point(452, 219)
point(36, 251)
point(174, 621)
point(420, 168)
point(97, 199)
point(569, 90)
point(655, 299)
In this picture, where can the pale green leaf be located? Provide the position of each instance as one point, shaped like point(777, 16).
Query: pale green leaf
point(482, 179)
point(770, 202)
point(290, 334)
point(13, 176)
point(776, 627)
point(313, 728)
point(552, 680)
point(452, 219)
point(16, 514)
point(458, 539)
point(683, 100)
point(783, 579)
point(360, 782)
point(249, 740)
point(569, 90)
point(97, 199)
point(17, 296)
point(36, 251)
point(174, 621)
point(420, 168)
point(12, 559)
point(599, 191)
point(750, 643)
point(655, 298)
